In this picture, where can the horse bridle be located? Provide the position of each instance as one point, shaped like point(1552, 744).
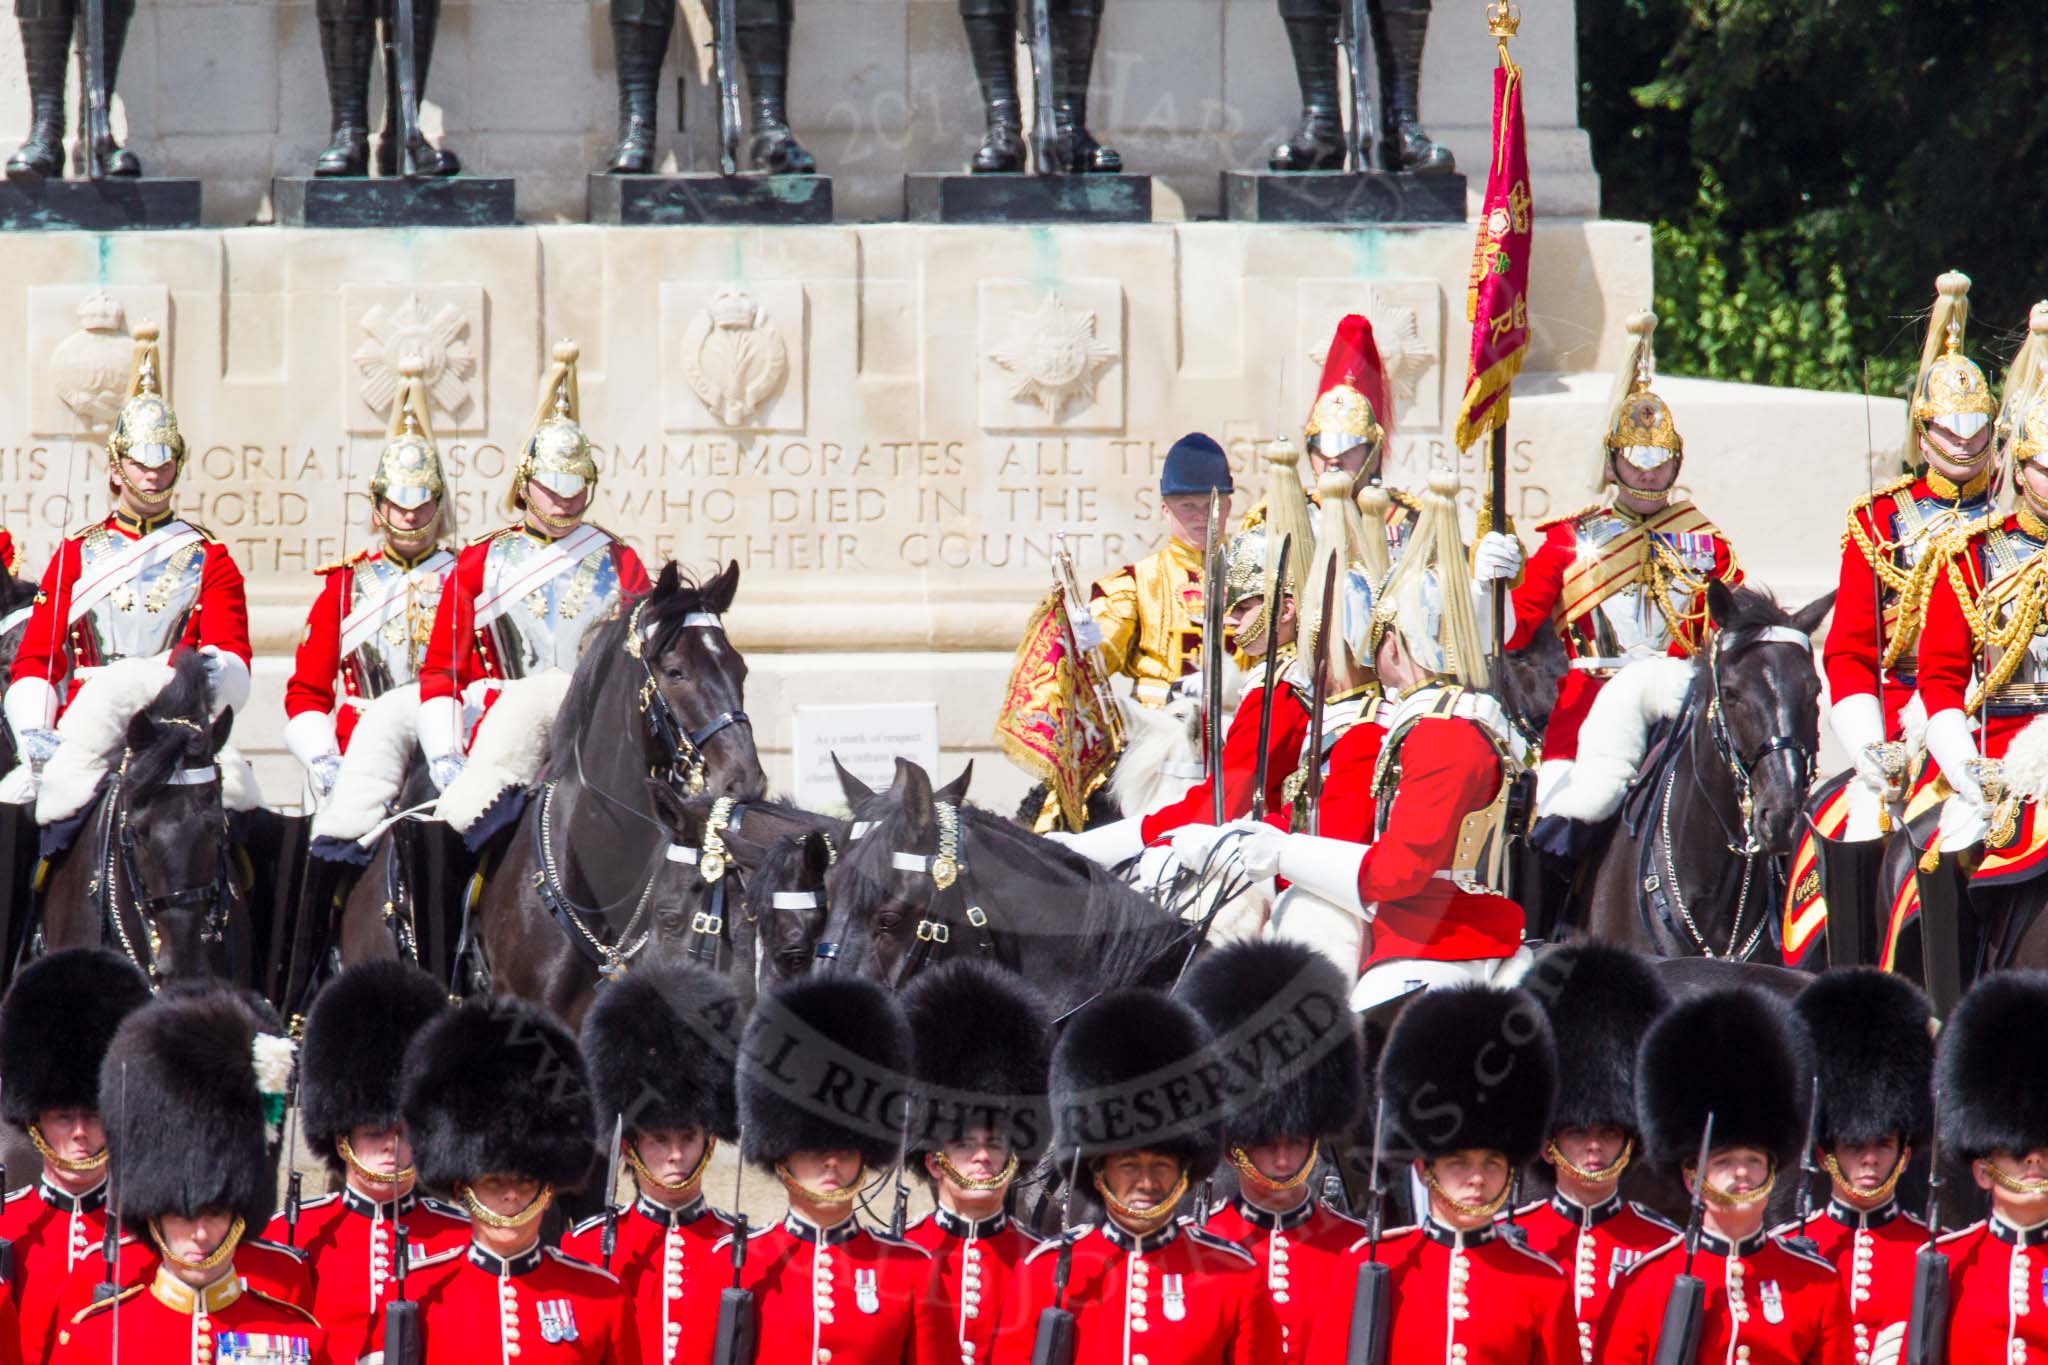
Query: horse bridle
point(951, 899)
point(684, 747)
point(117, 863)
point(1743, 771)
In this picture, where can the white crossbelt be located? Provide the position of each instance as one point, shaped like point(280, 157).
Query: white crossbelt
point(368, 618)
point(87, 593)
point(557, 559)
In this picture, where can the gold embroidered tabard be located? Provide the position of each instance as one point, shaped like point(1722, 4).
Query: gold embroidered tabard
point(1150, 614)
point(1639, 579)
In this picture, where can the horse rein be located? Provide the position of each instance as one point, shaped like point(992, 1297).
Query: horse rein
point(950, 881)
point(685, 747)
point(1744, 771)
point(116, 864)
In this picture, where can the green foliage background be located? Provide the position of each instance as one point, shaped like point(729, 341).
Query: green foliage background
point(1809, 166)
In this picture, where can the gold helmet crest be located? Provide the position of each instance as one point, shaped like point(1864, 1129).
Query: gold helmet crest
point(146, 430)
point(557, 454)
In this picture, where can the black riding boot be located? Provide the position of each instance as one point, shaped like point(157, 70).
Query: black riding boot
point(346, 46)
point(641, 48)
point(46, 46)
point(764, 52)
point(991, 34)
point(1318, 144)
point(1398, 30)
point(1078, 152)
point(429, 159)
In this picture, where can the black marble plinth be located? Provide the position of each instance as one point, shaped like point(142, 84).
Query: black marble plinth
point(114, 204)
point(1019, 198)
point(352, 201)
point(668, 200)
point(1343, 197)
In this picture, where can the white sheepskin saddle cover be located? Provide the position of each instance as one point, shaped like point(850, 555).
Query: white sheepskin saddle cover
point(373, 769)
point(510, 748)
point(1616, 737)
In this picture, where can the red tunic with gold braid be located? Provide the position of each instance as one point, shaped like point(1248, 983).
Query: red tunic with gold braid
point(348, 1242)
point(165, 1322)
point(1900, 529)
point(1874, 1252)
point(537, 1308)
point(844, 1294)
point(1473, 1298)
point(395, 604)
point(1997, 1294)
point(1241, 760)
point(1298, 1255)
point(1178, 1296)
point(52, 1233)
point(1767, 1303)
point(276, 1269)
point(1595, 1247)
point(665, 1261)
point(975, 1268)
point(1617, 587)
point(184, 590)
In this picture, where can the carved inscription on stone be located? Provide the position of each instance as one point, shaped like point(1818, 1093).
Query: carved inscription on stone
point(441, 325)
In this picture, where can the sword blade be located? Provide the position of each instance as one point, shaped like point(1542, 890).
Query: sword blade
point(408, 111)
point(1044, 135)
point(1312, 786)
point(99, 134)
point(725, 54)
point(1212, 658)
point(1276, 586)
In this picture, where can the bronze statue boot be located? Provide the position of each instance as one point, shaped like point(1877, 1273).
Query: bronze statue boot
point(1318, 144)
point(46, 47)
point(641, 48)
point(1075, 148)
point(1003, 148)
point(1398, 30)
point(346, 48)
point(991, 34)
point(426, 157)
point(764, 51)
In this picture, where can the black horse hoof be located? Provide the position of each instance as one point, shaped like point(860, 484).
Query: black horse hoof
point(776, 151)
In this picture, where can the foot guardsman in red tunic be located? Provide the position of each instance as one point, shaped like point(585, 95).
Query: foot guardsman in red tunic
point(660, 1042)
point(498, 1106)
point(1728, 1055)
point(349, 1065)
point(188, 1088)
point(1895, 549)
point(819, 1061)
point(1601, 1001)
point(981, 1038)
point(1308, 1089)
point(1874, 1049)
point(139, 583)
point(56, 1023)
point(1146, 1285)
point(523, 598)
point(369, 627)
point(1466, 1080)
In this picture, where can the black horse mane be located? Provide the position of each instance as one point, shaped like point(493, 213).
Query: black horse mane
point(169, 732)
point(1753, 609)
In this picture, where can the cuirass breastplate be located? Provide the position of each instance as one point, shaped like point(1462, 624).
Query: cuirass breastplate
point(1629, 622)
point(2000, 553)
point(1918, 522)
point(390, 656)
point(546, 627)
point(147, 613)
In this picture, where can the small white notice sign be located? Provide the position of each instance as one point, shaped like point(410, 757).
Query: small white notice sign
point(868, 740)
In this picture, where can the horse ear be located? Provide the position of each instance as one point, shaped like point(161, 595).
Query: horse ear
point(223, 725)
point(670, 579)
point(1808, 618)
point(1720, 602)
point(720, 591)
point(140, 728)
point(914, 785)
point(817, 856)
point(956, 790)
point(858, 793)
point(669, 806)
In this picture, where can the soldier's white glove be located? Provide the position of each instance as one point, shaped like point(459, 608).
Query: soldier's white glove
point(1107, 845)
point(39, 746)
point(1497, 555)
point(310, 737)
point(441, 735)
point(1251, 846)
point(1325, 867)
point(1953, 747)
point(227, 679)
point(445, 769)
point(1087, 634)
point(1858, 722)
point(322, 771)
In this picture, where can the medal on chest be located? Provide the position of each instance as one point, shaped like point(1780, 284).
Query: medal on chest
point(1173, 1299)
point(867, 1291)
point(557, 1320)
point(1773, 1302)
point(260, 1348)
point(1623, 1258)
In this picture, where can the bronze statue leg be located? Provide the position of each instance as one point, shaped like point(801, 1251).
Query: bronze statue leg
point(348, 35)
point(1076, 24)
point(764, 27)
point(431, 160)
point(991, 31)
point(46, 48)
point(640, 31)
point(1398, 30)
point(1318, 144)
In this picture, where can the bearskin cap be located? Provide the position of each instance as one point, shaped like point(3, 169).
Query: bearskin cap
point(981, 1042)
point(1470, 1067)
point(355, 1040)
point(55, 1025)
point(1129, 1075)
point(498, 1087)
point(1873, 1053)
point(661, 1043)
point(1735, 1053)
point(1286, 1007)
point(825, 1066)
point(1601, 1000)
point(1994, 1094)
point(189, 1119)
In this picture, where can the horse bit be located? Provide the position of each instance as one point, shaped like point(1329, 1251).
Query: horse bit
point(686, 763)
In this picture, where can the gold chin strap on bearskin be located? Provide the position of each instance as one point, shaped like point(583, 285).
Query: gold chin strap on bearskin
point(97, 1161)
point(374, 1177)
point(1459, 1206)
point(649, 1179)
point(212, 1261)
point(828, 1197)
point(1721, 1199)
point(1882, 1192)
point(1243, 1162)
point(507, 1222)
point(2012, 1184)
point(1158, 1213)
point(1606, 1177)
point(999, 1180)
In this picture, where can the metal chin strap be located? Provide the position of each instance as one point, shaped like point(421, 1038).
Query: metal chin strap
point(686, 762)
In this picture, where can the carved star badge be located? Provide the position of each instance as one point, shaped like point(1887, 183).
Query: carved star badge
point(1055, 358)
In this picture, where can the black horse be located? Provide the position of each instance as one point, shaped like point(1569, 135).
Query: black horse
point(1694, 868)
point(150, 869)
point(567, 898)
point(928, 875)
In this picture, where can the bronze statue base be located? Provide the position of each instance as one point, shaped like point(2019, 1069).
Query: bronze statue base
point(114, 204)
point(392, 201)
point(1342, 197)
point(1010, 197)
point(770, 200)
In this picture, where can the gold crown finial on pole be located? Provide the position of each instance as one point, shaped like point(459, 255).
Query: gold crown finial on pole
point(1503, 18)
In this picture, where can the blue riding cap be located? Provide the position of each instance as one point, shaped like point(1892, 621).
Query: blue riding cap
point(1196, 464)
